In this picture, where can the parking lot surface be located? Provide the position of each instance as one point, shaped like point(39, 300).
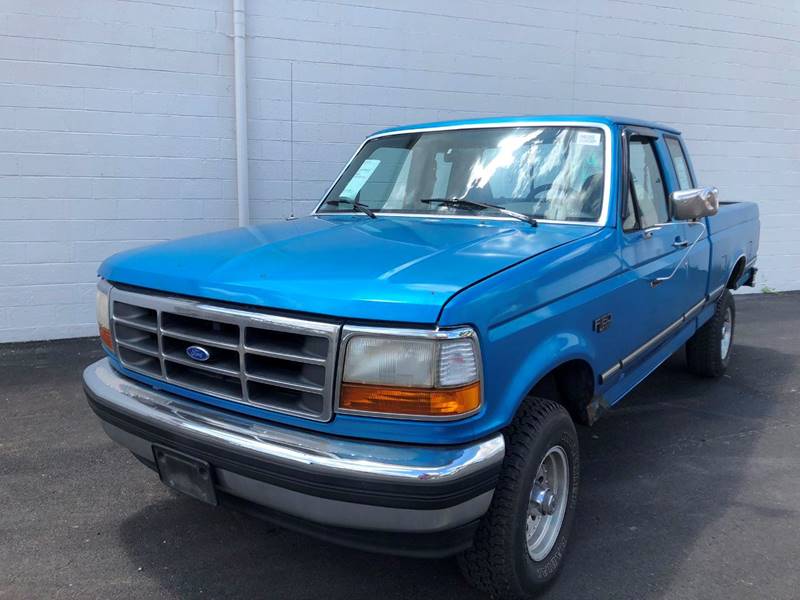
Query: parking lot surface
point(691, 489)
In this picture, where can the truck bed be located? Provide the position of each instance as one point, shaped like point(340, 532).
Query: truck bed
point(734, 235)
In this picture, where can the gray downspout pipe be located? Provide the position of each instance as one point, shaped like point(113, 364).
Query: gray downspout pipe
point(240, 99)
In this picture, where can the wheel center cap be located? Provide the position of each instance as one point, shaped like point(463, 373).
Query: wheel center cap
point(545, 501)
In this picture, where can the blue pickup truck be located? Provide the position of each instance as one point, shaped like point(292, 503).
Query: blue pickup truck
point(403, 369)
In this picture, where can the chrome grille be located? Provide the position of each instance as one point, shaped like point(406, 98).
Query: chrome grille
point(268, 361)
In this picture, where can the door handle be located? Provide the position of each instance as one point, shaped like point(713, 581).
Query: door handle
point(681, 244)
point(648, 233)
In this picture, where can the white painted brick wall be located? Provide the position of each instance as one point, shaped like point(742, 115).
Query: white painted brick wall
point(116, 116)
point(115, 131)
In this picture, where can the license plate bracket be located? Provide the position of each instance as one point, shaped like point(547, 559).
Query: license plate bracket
point(186, 474)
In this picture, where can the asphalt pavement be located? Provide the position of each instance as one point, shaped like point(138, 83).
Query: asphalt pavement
point(691, 489)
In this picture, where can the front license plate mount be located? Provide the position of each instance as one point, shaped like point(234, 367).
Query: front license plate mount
point(186, 474)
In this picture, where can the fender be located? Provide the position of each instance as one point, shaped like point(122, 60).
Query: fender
point(566, 347)
point(537, 316)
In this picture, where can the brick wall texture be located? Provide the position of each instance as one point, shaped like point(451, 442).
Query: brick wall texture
point(116, 116)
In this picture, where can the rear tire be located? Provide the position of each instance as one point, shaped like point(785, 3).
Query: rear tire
point(708, 351)
point(520, 543)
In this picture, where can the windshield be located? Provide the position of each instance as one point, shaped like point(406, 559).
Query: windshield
point(549, 172)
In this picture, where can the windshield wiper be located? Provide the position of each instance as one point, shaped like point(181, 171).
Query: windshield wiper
point(355, 204)
point(463, 202)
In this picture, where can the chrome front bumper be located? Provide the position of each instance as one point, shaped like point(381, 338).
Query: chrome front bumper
point(331, 481)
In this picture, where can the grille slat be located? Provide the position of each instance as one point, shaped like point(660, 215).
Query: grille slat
point(218, 332)
point(205, 367)
point(312, 360)
point(203, 381)
point(149, 365)
point(136, 324)
point(197, 339)
point(139, 348)
point(269, 361)
point(292, 385)
point(299, 348)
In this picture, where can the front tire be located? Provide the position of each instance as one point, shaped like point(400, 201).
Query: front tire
point(708, 351)
point(519, 546)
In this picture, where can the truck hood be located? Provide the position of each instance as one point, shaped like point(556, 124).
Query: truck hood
point(389, 268)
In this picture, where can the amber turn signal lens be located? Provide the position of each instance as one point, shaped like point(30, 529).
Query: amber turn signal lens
point(411, 401)
point(105, 337)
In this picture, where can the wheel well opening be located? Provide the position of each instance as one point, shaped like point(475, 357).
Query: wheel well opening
point(738, 271)
point(571, 385)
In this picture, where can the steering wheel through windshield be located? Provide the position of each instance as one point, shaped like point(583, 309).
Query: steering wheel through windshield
point(540, 189)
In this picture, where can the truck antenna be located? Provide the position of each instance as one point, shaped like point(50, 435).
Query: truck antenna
point(291, 138)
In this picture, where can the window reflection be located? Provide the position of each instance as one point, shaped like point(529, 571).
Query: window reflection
point(548, 172)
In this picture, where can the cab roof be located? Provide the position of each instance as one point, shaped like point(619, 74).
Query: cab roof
point(589, 119)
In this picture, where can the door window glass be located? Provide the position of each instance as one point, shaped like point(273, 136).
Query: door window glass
point(646, 182)
point(629, 222)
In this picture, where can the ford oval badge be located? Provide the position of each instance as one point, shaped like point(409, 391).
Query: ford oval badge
point(198, 353)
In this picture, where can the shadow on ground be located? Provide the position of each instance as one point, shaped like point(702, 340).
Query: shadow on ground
point(689, 490)
point(657, 471)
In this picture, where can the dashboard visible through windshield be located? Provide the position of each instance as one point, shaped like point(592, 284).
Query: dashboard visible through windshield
point(547, 172)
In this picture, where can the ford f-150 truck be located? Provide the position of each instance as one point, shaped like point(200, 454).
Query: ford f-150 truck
point(402, 369)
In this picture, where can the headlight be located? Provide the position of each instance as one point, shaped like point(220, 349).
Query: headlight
point(413, 375)
point(382, 361)
point(103, 319)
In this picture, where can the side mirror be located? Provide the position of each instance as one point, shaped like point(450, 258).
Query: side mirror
point(694, 203)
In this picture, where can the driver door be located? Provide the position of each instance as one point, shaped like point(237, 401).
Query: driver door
point(651, 245)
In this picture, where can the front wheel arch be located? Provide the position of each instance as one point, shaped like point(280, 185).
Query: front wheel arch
point(571, 384)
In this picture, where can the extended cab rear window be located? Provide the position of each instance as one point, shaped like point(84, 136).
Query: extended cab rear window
point(679, 162)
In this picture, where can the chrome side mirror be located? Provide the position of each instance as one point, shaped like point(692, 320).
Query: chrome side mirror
point(694, 203)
